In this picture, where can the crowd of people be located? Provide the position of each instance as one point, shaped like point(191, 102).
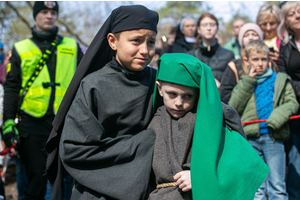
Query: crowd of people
point(131, 118)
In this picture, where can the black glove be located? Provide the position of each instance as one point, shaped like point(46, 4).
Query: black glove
point(10, 133)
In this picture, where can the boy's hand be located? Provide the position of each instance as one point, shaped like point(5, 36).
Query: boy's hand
point(252, 72)
point(183, 180)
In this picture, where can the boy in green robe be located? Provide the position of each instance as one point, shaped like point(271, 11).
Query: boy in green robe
point(222, 165)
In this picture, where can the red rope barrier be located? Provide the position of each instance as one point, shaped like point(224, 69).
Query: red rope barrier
point(5, 151)
point(264, 120)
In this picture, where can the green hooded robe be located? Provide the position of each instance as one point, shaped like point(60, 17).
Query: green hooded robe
point(224, 166)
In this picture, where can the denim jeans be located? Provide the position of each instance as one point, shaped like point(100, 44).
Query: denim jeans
point(68, 185)
point(49, 191)
point(272, 152)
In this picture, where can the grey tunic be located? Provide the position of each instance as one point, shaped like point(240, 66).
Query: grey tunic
point(172, 152)
point(103, 145)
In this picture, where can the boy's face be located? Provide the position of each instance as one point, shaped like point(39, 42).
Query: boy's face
point(178, 99)
point(258, 61)
point(134, 48)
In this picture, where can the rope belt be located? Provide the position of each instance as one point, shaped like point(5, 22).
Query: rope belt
point(164, 185)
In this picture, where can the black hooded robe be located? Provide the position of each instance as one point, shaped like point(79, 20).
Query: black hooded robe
point(102, 143)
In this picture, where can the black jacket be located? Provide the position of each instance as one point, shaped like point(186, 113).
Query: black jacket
point(13, 84)
point(283, 64)
point(180, 44)
point(215, 56)
point(228, 81)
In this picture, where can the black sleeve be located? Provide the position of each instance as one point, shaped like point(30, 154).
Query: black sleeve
point(79, 54)
point(168, 49)
point(228, 82)
point(12, 87)
point(281, 62)
point(232, 120)
point(283, 67)
point(94, 158)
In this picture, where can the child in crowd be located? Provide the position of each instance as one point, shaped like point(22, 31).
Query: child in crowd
point(237, 68)
point(104, 143)
point(192, 118)
point(264, 94)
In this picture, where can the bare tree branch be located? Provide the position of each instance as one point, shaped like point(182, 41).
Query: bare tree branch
point(29, 4)
point(69, 30)
point(18, 14)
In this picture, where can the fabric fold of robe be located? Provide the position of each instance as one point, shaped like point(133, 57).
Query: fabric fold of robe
point(98, 54)
point(105, 151)
point(172, 152)
point(223, 163)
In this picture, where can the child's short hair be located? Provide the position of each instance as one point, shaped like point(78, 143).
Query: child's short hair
point(258, 46)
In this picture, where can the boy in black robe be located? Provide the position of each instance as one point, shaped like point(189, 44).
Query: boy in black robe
point(103, 145)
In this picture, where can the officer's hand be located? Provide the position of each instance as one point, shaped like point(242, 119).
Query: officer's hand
point(10, 133)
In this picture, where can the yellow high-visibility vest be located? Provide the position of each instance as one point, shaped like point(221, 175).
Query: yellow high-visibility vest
point(36, 101)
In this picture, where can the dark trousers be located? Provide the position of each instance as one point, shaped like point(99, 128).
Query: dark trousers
point(34, 157)
point(293, 155)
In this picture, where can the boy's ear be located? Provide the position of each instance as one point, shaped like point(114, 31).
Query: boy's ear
point(111, 38)
point(245, 59)
point(158, 84)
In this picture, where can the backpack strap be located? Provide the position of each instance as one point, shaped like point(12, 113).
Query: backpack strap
point(233, 68)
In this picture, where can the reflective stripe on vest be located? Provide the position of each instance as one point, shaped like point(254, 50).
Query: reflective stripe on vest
point(36, 101)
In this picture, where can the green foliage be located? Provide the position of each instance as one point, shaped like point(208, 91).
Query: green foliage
point(177, 10)
point(12, 29)
point(273, 2)
point(16, 21)
point(171, 14)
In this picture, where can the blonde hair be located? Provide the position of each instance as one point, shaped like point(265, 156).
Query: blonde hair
point(256, 45)
point(283, 28)
point(268, 11)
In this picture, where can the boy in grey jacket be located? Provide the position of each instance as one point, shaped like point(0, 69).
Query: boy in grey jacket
point(264, 94)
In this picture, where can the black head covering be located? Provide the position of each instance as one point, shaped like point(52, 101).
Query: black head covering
point(41, 5)
point(180, 40)
point(97, 55)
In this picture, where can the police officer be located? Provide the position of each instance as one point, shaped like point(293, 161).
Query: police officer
point(39, 73)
